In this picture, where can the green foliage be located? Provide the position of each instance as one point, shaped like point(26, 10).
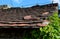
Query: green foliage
point(51, 31)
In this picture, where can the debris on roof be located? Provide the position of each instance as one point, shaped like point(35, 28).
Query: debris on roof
point(4, 7)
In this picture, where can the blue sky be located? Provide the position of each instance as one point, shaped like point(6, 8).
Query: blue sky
point(27, 3)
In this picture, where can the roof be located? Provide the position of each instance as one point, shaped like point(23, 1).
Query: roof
point(16, 16)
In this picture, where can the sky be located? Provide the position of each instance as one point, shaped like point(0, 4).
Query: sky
point(27, 3)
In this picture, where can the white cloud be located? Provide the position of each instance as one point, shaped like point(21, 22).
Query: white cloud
point(56, 1)
point(16, 1)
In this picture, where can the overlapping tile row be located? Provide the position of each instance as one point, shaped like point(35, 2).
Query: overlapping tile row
point(32, 16)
